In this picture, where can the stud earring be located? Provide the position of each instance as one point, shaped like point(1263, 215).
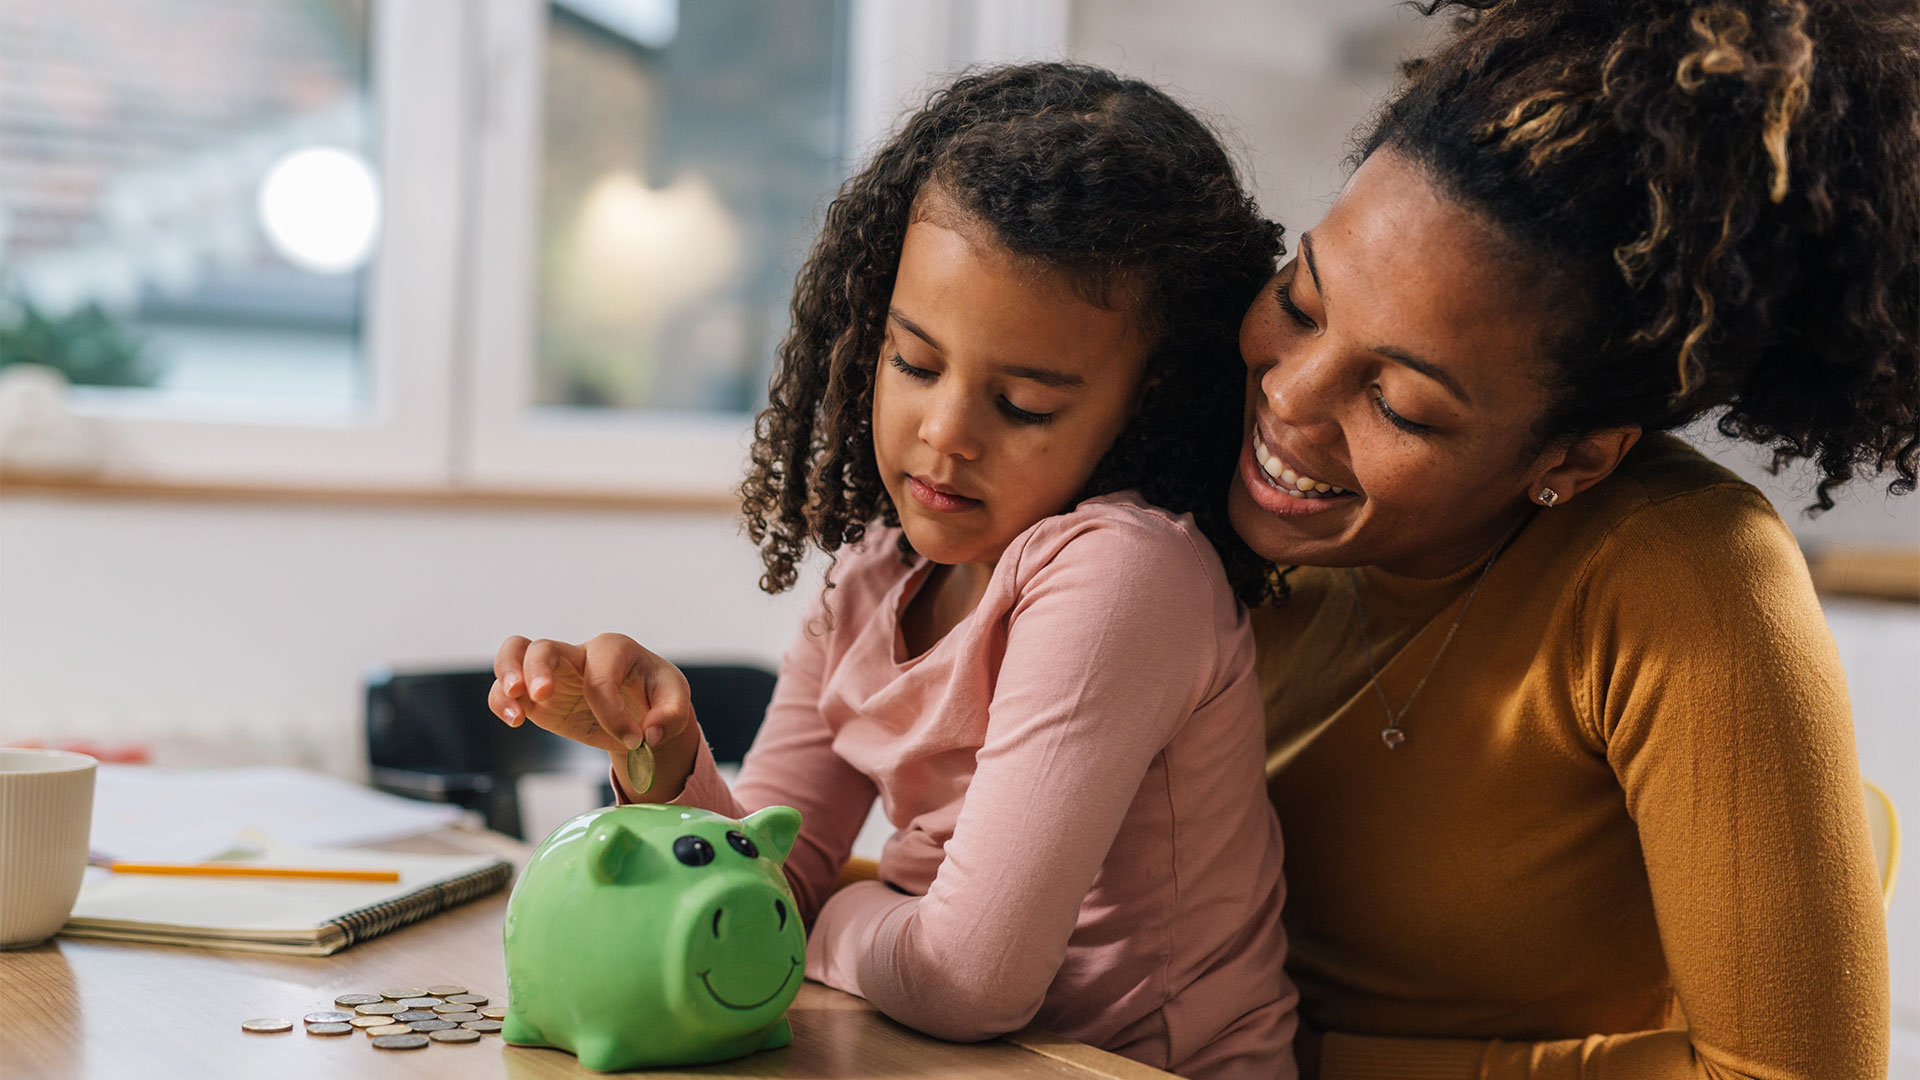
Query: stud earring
point(1547, 497)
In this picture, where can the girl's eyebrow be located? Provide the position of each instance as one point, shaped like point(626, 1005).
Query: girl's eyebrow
point(1043, 376)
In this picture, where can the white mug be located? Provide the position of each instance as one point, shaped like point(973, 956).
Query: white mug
point(46, 816)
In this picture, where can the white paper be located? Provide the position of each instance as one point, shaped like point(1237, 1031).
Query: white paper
point(145, 814)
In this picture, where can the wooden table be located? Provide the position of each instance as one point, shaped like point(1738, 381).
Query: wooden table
point(74, 1008)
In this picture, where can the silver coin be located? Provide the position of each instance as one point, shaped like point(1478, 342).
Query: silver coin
point(328, 1017)
point(348, 1001)
point(494, 1012)
point(364, 1022)
point(457, 1019)
point(400, 1042)
point(431, 1025)
point(378, 1008)
point(485, 1027)
point(640, 769)
point(455, 1035)
point(388, 1029)
point(411, 1015)
point(399, 992)
point(448, 1006)
point(421, 1002)
point(329, 1029)
point(446, 989)
point(266, 1025)
point(467, 999)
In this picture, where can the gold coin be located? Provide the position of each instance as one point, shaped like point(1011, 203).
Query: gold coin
point(379, 1008)
point(455, 1035)
point(431, 1025)
point(411, 1015)
point(267, 1025)
point(494, 1012)
point(370, 1021)
point(459, 1018)
point(328, 1017)
point(400, 1042)
point(421, 1002)
point(467, 999)
point(446, 989)
point(402, 992)
point(448, 1006)
point(329, 1029)
point(485, 1027)
point(388, 1029)
point(348, 1001)
point(640, 769)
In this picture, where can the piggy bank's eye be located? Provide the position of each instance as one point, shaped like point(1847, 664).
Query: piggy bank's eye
point(743, 845)
point(693, 850)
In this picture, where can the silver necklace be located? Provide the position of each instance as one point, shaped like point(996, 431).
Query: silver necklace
point(1392, 734)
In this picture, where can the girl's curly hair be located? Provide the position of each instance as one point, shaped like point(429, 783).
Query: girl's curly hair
point(1727, 195)
point(1103, 178)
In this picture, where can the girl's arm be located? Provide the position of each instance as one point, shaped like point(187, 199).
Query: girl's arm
point(1718, 695)
point(1108, 651)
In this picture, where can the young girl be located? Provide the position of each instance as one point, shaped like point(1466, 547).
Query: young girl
point(1014, 348)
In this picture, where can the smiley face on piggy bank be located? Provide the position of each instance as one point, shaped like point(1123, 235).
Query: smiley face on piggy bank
point(642, 936)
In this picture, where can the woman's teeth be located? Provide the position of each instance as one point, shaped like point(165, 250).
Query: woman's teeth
point(1302, 487)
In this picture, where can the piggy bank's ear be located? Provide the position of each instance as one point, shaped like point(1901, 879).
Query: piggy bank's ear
point(615, 855)
point(775, 827)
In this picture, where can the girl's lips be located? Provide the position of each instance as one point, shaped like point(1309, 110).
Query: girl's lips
point(1269, 496)
point(945, 502)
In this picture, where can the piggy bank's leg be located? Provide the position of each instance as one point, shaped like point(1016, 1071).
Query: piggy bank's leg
point(520, 1031)
point(603, 1053)
point(778, 1036)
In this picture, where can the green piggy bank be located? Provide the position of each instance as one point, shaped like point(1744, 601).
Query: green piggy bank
point(656, 935)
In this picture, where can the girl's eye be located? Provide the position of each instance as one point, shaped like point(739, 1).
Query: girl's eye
point(909, 370)
point(1283, 293)
point(1021, 416)
point(1394, 418)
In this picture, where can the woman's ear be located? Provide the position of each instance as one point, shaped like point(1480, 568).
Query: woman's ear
point(1566, 471)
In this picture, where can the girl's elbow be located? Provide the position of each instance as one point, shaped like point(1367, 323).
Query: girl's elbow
point(975, 1013)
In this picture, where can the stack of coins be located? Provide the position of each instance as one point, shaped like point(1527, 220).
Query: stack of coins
point(400, 1017)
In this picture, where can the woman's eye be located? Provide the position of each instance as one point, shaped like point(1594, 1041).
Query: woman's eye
point(1283, 294)
point(1022, 416)
point(907, 369)
point(1394, 418)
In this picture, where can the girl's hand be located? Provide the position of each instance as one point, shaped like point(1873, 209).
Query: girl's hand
point(610, 693)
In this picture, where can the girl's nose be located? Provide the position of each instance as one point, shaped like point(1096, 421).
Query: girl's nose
point(1301, 394)
point(950, 425)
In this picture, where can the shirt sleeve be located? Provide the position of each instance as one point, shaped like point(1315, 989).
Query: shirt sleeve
point(793, 763)
point(1720, 701)
point(1108, 650)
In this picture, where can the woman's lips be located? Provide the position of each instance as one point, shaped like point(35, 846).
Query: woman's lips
point(1278, 496)
point(946, 502)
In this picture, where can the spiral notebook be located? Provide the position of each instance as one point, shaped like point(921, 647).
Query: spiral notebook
point(310, 918)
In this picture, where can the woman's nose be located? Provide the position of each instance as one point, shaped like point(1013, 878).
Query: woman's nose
point(950, 426)
point(1300, 393)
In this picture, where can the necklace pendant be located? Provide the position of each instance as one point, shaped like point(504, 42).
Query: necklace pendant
point(1393, 737)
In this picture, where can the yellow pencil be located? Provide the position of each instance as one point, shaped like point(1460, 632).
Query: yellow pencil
point(241, 870)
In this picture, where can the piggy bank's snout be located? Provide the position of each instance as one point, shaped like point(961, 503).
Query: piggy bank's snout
point(748, 915)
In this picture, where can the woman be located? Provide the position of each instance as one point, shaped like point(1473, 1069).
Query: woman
point(1558, 737)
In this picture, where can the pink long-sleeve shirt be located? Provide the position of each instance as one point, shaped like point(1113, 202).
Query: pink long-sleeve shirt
point(1083, 838)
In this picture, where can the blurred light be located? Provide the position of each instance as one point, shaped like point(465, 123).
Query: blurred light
point(652, 23)
point(320, 208)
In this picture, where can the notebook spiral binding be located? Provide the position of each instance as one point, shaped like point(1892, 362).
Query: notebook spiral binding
point(376, 919)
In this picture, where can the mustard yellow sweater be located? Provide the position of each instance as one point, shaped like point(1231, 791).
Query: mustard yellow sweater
point(1625, 836)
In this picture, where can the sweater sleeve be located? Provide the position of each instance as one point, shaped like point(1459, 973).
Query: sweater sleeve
point(1108, 650)
point(1717, 696)
point(793, 763)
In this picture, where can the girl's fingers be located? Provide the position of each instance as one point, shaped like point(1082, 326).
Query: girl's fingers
point(670, 702)
point(611, 659)
point(507, 665)
point(502, 706)
point(545, 662)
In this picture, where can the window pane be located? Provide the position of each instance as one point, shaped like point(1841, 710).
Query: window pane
point(690, 148)
point(187, 199)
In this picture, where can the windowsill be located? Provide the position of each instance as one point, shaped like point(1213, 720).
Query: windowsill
point(15, 482)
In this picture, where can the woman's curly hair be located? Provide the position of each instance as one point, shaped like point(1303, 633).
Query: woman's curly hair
point(1727, 194)
point(1102, 178)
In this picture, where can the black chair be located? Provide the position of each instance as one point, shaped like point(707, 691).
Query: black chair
point(431, 736)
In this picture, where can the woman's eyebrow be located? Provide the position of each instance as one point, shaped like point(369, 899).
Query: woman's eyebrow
point(1399, 356)
point(913, 328)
